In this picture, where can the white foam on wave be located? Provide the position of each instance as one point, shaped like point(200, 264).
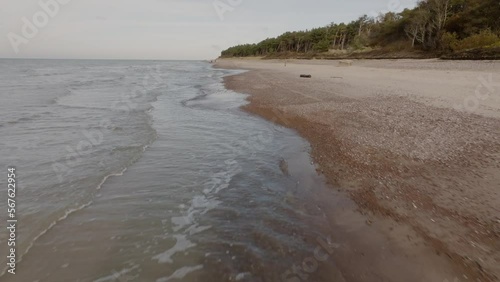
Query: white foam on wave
point(63, 217)
point(118, 275)
point(108, 176)
point(181, 273)
point(187, 225)
point(201, 204)
point(51, 225)
point(181, 244)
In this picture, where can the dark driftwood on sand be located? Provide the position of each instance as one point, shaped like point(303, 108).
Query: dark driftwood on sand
point(306, 75)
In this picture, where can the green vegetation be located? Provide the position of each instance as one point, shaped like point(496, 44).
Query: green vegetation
point(433, 27)
point(484, 38)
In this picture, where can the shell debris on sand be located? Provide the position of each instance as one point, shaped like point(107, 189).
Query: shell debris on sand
point(391, 131)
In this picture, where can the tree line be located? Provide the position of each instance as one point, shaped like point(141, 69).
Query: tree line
point(433, 25)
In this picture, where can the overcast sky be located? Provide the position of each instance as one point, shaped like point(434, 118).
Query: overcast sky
point(162, 29)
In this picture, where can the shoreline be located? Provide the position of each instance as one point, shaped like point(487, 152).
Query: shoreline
point(477, 54)
point(384, 131)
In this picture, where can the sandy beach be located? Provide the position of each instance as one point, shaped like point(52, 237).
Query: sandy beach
point(414, 143)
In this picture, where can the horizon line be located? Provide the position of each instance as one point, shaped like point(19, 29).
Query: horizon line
point(101, 59)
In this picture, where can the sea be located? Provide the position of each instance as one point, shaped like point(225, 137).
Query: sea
point(150, 171)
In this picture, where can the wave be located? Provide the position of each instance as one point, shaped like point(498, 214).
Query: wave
point(203, 94)
point(130, 148)
point(140, 148)
point(117, 275)
point(65, 215)
point(24, 119)
point(181, 273)
point(187, 225)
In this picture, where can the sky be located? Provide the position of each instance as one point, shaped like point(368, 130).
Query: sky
point(163, 29)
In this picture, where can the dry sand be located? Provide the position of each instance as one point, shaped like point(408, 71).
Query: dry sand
point(416, 142)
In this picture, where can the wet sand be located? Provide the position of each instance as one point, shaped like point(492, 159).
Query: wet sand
point(416, 145)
